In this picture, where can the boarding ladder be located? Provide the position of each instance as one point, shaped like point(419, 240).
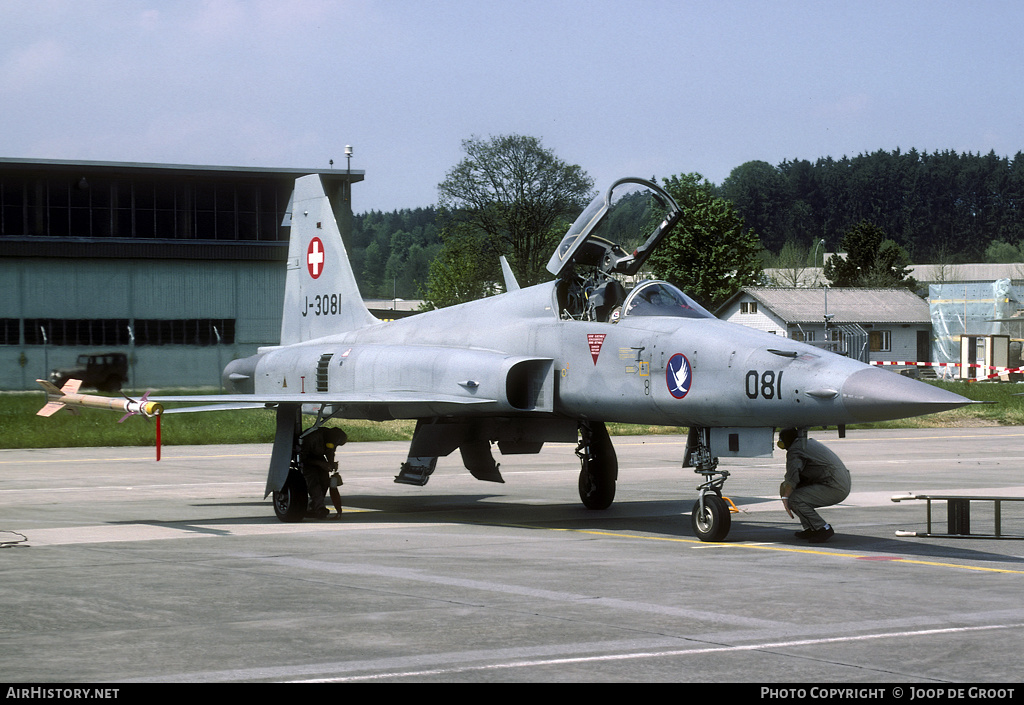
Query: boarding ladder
point(958, 516)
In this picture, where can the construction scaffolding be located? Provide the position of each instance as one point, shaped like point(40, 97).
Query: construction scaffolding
point(970, 319)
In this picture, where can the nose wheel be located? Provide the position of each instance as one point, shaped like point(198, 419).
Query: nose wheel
point(711, 517)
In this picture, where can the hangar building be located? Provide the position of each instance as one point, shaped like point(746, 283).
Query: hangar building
point(179, 267)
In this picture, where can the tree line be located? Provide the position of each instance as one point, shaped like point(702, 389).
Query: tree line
point(391, 252)
point(939, 207)
point(511, 196)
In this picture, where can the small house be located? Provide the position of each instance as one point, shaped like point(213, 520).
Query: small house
point(870, 325)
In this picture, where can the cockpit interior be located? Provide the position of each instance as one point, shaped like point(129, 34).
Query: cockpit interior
point(600, 279)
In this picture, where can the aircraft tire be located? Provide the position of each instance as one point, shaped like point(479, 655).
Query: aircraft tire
point(599, 469)
point(714, 522)
point(290, 502)
point(597, 489)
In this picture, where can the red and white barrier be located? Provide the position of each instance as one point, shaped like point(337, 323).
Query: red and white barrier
point(998, 371)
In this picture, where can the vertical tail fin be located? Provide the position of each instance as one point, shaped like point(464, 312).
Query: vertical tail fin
point(321, 295)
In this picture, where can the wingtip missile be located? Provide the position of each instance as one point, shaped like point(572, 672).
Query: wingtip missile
point(68, 397)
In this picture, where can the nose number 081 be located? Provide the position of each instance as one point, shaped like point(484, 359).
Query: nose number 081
point(767, 384)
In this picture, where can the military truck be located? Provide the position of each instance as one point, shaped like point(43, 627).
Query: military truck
point(103, 371)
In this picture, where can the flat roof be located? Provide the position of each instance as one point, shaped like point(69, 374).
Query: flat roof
point(176, 169)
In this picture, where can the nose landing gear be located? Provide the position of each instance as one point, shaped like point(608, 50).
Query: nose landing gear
point(711, 516)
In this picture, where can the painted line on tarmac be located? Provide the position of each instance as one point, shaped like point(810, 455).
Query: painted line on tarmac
point(592, 601)
point(169, 456)
point(785, 549)
point(62, 536)
point(131, 459)
point(126, 533)
point(673, 653)
point(946, 437)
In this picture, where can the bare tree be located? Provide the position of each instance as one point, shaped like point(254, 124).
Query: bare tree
point(514, 192)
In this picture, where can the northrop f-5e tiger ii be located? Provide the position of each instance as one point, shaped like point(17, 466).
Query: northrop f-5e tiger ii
point(552, 362)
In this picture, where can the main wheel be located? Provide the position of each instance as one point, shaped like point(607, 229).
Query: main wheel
point(597, 489)
point(290, 502)
point(599, 469)
point(714, 522)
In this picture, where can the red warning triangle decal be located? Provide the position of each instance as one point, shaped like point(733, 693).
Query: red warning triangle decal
point(595, 341)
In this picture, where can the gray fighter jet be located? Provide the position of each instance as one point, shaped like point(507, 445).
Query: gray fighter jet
point(549, 363)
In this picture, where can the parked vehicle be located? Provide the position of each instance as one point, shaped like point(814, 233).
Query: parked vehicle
point(103, 371)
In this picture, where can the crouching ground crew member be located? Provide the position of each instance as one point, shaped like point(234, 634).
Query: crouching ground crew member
point(815, 477)
point(316, 455)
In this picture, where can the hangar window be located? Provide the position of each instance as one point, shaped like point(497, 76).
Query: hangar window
point(76, 331)
point(12, 207)
point(192, 331)
point(129, 206)
point(9, 331)
point(120, 331)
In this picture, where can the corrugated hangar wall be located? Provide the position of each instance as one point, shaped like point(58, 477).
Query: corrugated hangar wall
point(237, 300)
point(179, 267)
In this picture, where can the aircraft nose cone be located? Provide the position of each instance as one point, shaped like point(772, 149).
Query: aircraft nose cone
point(879, 395)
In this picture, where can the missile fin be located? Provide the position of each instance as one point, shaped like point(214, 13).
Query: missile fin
point(50, 409)
point(71, 386)
point(49, 387)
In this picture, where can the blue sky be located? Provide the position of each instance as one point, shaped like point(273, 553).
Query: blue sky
point(627, 88)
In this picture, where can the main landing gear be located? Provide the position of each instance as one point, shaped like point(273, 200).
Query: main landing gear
point(711, 518)
point(599, 468)
point(291, 501)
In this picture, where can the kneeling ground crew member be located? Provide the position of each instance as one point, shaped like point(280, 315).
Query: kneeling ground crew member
point(815, 477)
point(316, 455)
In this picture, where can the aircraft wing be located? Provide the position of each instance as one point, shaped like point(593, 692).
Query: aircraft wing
point(395, 401)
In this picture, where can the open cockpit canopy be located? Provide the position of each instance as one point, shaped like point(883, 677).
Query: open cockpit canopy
point(618, 230)
point(605, 249)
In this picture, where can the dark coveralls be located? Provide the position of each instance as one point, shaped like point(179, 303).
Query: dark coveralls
point(316, 456)
point(817, 477)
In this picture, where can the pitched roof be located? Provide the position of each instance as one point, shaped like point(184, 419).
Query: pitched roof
point(923, 273)
point(847, 305)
